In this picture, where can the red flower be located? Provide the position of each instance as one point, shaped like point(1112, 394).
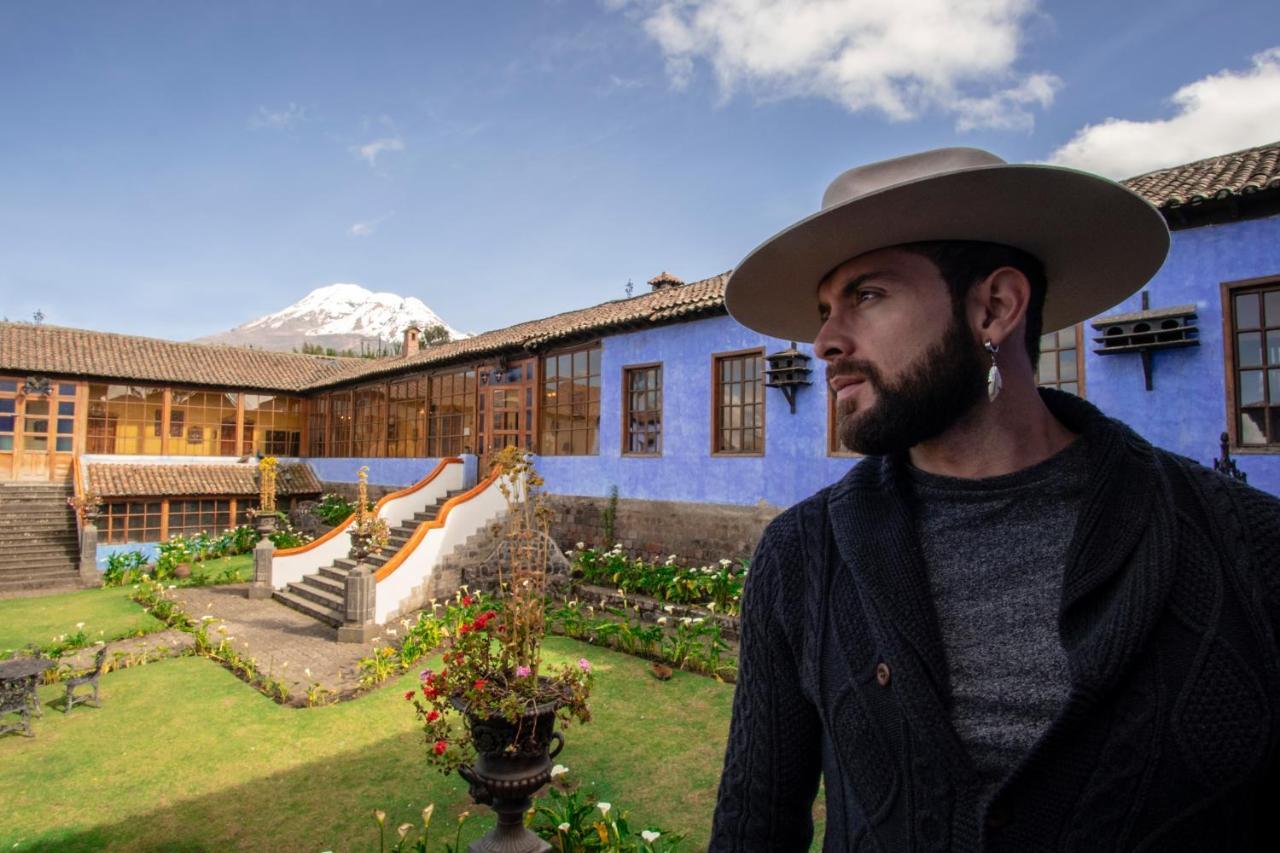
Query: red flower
point(430, 692)
point(441, 746)
point(433, 716)
point(467, 601)
point(463, 629)
point(479, 685)
point(408, 696)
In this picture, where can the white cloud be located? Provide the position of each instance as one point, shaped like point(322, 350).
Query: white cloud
point(370, 150)
point(899, 59)
point(1218, 114)
point(365, 229)
point(278, 119)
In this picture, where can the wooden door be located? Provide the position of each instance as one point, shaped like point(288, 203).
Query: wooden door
point(35, 443)
point(506, 408)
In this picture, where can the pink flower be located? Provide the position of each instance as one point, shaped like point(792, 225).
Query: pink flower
point(584, 664)
point(523, 672)
point(426, 675)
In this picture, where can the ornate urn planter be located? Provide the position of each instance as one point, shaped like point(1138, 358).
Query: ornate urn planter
point(513, 761)
point(361, 546)
point(266, 524)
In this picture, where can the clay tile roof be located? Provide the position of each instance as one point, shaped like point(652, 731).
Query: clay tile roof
point(1237, 174)
point(118, 480)
point(665, 277)
point(665, 305)
point(25, 347)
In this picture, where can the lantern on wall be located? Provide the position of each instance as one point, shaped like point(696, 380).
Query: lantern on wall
point(788, 370)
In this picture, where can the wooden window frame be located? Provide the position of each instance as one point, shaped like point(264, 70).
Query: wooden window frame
point(540, 402)
point(626, 408)
point(1080, 377)
point(438, 444)
point(716, 358)
point(1228, 290)
point(834, 448)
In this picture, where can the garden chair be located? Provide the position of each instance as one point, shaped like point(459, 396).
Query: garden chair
point(15, 698)
point(89, 678)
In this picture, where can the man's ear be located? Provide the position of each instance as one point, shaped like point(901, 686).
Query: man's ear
point(997, 306)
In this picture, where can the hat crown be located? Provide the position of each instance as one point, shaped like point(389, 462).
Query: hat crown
point(873, 177)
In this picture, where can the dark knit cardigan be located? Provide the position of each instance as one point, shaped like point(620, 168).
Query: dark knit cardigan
point(1170, 737)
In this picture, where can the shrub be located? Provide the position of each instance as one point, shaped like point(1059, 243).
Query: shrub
point(124, 567)
point(333, 509)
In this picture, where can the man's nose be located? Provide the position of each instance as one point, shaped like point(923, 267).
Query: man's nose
point(832, 341)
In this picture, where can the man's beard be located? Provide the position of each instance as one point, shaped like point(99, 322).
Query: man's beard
point(930, 397)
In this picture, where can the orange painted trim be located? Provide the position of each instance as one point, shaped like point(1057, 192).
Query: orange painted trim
point(77, 486)
point(340, 528)
point(436, 523)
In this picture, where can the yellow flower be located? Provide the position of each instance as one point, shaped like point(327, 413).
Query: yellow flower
point(380, 816)
point(426, 815)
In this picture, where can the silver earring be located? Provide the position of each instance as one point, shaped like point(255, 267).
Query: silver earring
point(994, 380)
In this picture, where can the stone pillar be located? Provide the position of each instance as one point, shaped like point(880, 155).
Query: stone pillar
point(263, 553)
point(360, 592)
point(89, 574)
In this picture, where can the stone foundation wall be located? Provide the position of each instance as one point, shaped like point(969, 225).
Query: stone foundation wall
point(348, 490)
point(696, 533)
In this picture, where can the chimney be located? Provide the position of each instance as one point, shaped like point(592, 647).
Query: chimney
point(664, 280)
point(412, 341)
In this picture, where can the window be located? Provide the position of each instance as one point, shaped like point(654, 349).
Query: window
point(738, 403)
point(340, 424)
point(1253, 385)
point(129, 521)
point(571, 403)
point(121, 417)
point(406, 421)
point(317, 408)
point(642, 410)
point(368, 435)
point(8, 413)
point(1062, 361)
point(210, 421)
point(272, 424)
point(451, 413)
point(189, 516)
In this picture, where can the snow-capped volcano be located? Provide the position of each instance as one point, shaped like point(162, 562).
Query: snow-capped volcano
point(342, 316)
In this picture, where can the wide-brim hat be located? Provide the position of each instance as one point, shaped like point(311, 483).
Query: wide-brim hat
point(1098, 241)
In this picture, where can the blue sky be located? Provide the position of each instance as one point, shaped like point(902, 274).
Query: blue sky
point(177, 168)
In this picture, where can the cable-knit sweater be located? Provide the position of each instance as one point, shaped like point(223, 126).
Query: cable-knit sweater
point(1170, 736)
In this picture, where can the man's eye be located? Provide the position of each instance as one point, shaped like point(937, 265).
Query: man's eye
point(864, 296)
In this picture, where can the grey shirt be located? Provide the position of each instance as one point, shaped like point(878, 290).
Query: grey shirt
point(995, 550)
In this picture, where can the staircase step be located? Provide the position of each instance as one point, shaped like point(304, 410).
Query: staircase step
point(429, 515)
point(344, 563)
point(330, 585)
point(310, 608)
point(316, 595)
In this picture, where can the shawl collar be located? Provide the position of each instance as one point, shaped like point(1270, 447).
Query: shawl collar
point(1117, 570)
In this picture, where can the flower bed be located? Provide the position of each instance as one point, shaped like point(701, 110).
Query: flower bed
point(718, 587)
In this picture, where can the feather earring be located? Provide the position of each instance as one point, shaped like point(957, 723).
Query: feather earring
point(994, 381)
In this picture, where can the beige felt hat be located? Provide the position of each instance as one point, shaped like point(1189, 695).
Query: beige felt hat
point(1098, 241)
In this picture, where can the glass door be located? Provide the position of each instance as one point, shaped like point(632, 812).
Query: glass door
point(506, 409)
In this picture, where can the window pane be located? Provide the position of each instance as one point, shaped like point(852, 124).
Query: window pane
point(1048, 367)
point(1247, 311)
point(1066, 365)
point(8, 385)
point(1251, 427)
point(64, 445)
point(67, 390)
point(1071, 388)
point(7, 404)
point(6, 442)
point(65, 408)
point(66, 426)
point(1249, 345)
point(37, 407)
point(1273, 347)
point(1272, 306)
point(1251, 388)
point(6, 423)
point(1273, 387)
point(1049, 341)
point(35, 442)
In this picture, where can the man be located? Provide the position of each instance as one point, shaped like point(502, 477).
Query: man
point(1015, 625)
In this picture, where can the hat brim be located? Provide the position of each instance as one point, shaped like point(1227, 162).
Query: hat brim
point(1098, 241)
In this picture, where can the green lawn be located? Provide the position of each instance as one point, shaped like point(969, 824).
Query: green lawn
point(40, 620)
point(109, 611)
point(184, 757)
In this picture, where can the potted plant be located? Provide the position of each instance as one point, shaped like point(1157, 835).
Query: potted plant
point(86, 505)
point(494, 679)
point(370, 534)
point(265, 514)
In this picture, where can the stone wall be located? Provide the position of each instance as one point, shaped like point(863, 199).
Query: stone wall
point(348, 490)
point(696, 533)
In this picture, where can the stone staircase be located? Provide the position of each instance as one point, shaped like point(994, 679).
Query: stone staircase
point(39, 550)
point(321, 595)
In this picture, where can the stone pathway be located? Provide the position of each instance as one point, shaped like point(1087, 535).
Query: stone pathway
point(285, 643)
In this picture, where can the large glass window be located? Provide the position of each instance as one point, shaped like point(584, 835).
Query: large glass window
point(642, 410)
point(1062, 361)
point(189, 516)
point(122, 418)
point(368, 434)
point(129, 521)
point(571, 403)
point(738, 408)
point(272, 424)
point(1254, 381)
point(340, 424)
point(203, 423)
point(317, 410)
point(451, 414)
point(8, 413)
point(406, 417)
